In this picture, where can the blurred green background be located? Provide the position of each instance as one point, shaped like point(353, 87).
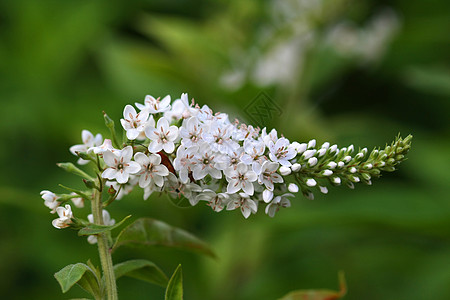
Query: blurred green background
point(341, 71)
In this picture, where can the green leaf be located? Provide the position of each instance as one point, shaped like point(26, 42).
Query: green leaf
point(141, 269)
point(81, 274)
point(96, 229)
point(151, 232)
point(174, 289)
point(319, 294)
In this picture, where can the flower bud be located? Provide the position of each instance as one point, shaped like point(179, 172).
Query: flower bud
point(323, 189)
point(312, 161)
point(311, 182)
point(309, 153)
point(312, 144)
point(285, 170)
point(327, 172)
point(296, 167)
point(293, 188)
point(332, 165)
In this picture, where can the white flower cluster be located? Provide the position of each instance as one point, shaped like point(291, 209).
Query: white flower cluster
point(189, 151)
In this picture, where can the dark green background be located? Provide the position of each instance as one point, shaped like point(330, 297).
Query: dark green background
point(63, 62)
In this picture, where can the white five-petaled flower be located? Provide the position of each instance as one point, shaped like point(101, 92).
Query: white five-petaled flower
point(134, 123)
point(244, 202)
point(162, 137)
point(92, 239)
point(277, 203)
point(216, 201)
point(88, 141)
point(65, 217)
point(120, 165)
point(50, 200)
point(153, 105)
point(205, 163)
point(254, 154)
point(268, 175)
point(151, 169)
point(183, 161)
point(240, 178)
point(281, 152)
point(191, 132)
point(219, 138)
point(107, 145)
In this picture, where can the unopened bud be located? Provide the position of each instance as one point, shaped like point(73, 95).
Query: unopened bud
point(296, 167)
point(293, 188)
point(285, 170)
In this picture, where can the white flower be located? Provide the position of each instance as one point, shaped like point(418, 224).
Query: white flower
point(183, 162)
point(65, 217)
point(277, 203)
point(268, 175)
point(88, 141)
point(191, 132)
point(120, 165)
point(267, 195)
point(219, 137)
point(77, 201)
point(254, 154)
point(50, 200)
point(134, 123)
point(240, 178)
point(181, 109)
point(107, 145)
point(216, 201)
point(272, 136)
point(92, 239)
point(282, 152)
point(162, 137)
point(244, 202)
point(153, 105)
point(205, 163)
point(231, 160)
point(151, 169)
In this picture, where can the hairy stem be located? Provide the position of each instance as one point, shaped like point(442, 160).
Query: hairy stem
point(103, 249)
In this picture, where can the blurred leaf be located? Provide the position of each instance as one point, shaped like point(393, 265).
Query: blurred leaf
point(175, 287)
point(429, 79)
point(96, 229)
point(151, 232)
point(141, 269)
point(81, 274)
point(319, 294)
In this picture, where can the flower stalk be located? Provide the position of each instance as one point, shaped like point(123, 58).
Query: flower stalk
point(104, 249)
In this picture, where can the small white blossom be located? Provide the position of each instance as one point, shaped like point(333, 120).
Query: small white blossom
point(153, 106)
point(282, 152)
point(217, 201)
point(184, 161)
point(65, 217)
point(120, 165)
point(243, 201)
point(151, 169)
point(77, 201)
point(162, 137)
point(240, 178)
point(107, 145)
point(268, 175)
point(277, 203)
point(312, 161)
point(134, 123)
point(323, 189)
point(50, 200)
point(88, 141)
point(205, 163)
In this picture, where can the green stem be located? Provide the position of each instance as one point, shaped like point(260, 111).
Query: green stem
point(103, 249)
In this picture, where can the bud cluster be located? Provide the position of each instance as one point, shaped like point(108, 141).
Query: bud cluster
point(189, 151)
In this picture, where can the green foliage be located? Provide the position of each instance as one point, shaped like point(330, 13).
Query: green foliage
point(319, 294)
point(82, 275)
point(174, 289)
point(141, 269)
point(151, 232)
point(90, 228)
